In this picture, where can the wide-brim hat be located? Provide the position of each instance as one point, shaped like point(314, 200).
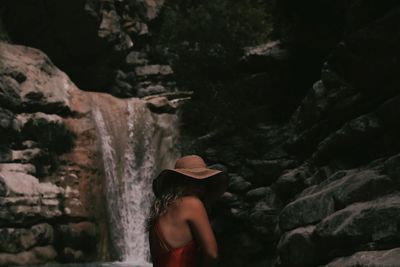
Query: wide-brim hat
point(192, 168)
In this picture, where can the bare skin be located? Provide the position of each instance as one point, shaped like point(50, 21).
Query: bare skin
point(188, 219)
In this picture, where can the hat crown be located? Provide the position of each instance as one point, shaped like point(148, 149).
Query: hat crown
point(190, 162)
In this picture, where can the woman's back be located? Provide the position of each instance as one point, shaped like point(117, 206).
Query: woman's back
point(171, 239)
point(182, 234)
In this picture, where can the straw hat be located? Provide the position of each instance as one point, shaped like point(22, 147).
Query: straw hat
point(192, 168)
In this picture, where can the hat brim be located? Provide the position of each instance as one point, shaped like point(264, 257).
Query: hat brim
point(216, 181)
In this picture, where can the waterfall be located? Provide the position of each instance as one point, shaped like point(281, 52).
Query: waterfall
point(136, 145)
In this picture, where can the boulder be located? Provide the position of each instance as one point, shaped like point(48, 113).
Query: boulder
point(297, 248)
point(18, 167)
point(334, 194)
point(392, 168)
point(379, 258)
point(258, 58)
point(238, 184)
point(136, 58)
point(53, 94)
point(21, 184)
point(291, 181)
point(153, 70)
point(21, 211)
point(35, 119)
point(152, 89)
point(351, 138)
point(73, 207)
point(6, 119)
point(372, 221)
point(230, 200)
point(26, 155)
point(80, 236)
point(37, 255)
point(13, 240)
point(267, 171)
point(9, 85)
point(258, 193)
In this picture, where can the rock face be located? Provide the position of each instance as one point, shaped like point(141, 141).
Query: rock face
point(321, 188)
point(315, 183)
point(51, 173)
point(102, 49)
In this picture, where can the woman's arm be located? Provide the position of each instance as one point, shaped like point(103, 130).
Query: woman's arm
point(196, 215)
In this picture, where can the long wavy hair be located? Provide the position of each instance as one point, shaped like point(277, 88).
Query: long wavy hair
point(170, 196)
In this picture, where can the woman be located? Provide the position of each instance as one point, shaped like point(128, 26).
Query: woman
point(180, 234)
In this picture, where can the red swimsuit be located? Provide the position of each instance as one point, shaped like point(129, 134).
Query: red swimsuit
point(174, 257)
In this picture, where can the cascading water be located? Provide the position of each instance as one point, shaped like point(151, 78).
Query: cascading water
point(136, 144)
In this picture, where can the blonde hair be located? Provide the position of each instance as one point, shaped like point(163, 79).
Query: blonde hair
point(160, 204)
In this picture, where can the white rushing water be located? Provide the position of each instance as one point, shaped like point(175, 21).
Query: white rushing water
point(136, 145)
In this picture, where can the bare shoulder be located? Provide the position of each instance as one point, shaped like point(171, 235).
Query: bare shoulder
point(191, 201)
point(191, 204)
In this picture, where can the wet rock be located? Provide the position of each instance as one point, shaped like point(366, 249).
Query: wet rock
point(380, 258)
point(291, 181)
point(136, 58)
point(267, 171)
point(153, 70)
point(372, 221)
point(6, 119)
point(152, 89)
point(319, 100)
point(53, 95)
point(21, 184)
point(230, 200)
point(238, 184)
point(103, 31)
point(5, 154)
point(392, 168)
point(26, 155)
point(80, 236)
point(9, 96)
point(13, 240)
point(73, 207)
point(350, 137)
point(160, 104)
point(297, 248)
point(71, 255)
point(35, 118)
point(320, 175)
point(18, 167)
point(24, 200)
point(258, 193)
point(21, 211)
point(37, 255)
point(256, 58)
point(333, 195)
point(265, 214)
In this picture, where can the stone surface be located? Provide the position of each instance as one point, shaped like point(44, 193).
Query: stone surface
point(238, 184)
point(349, 138)
point(20, 184)
point(371, 221)
point(18, 167)
point(296, 247)
point(13, 240)
point(330, 196)
point(267, 171)
point(151, 70)
point(37, 255)
point(161, 105)
point(381, 258)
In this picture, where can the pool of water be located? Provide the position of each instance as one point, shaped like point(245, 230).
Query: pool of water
point(94, 264)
